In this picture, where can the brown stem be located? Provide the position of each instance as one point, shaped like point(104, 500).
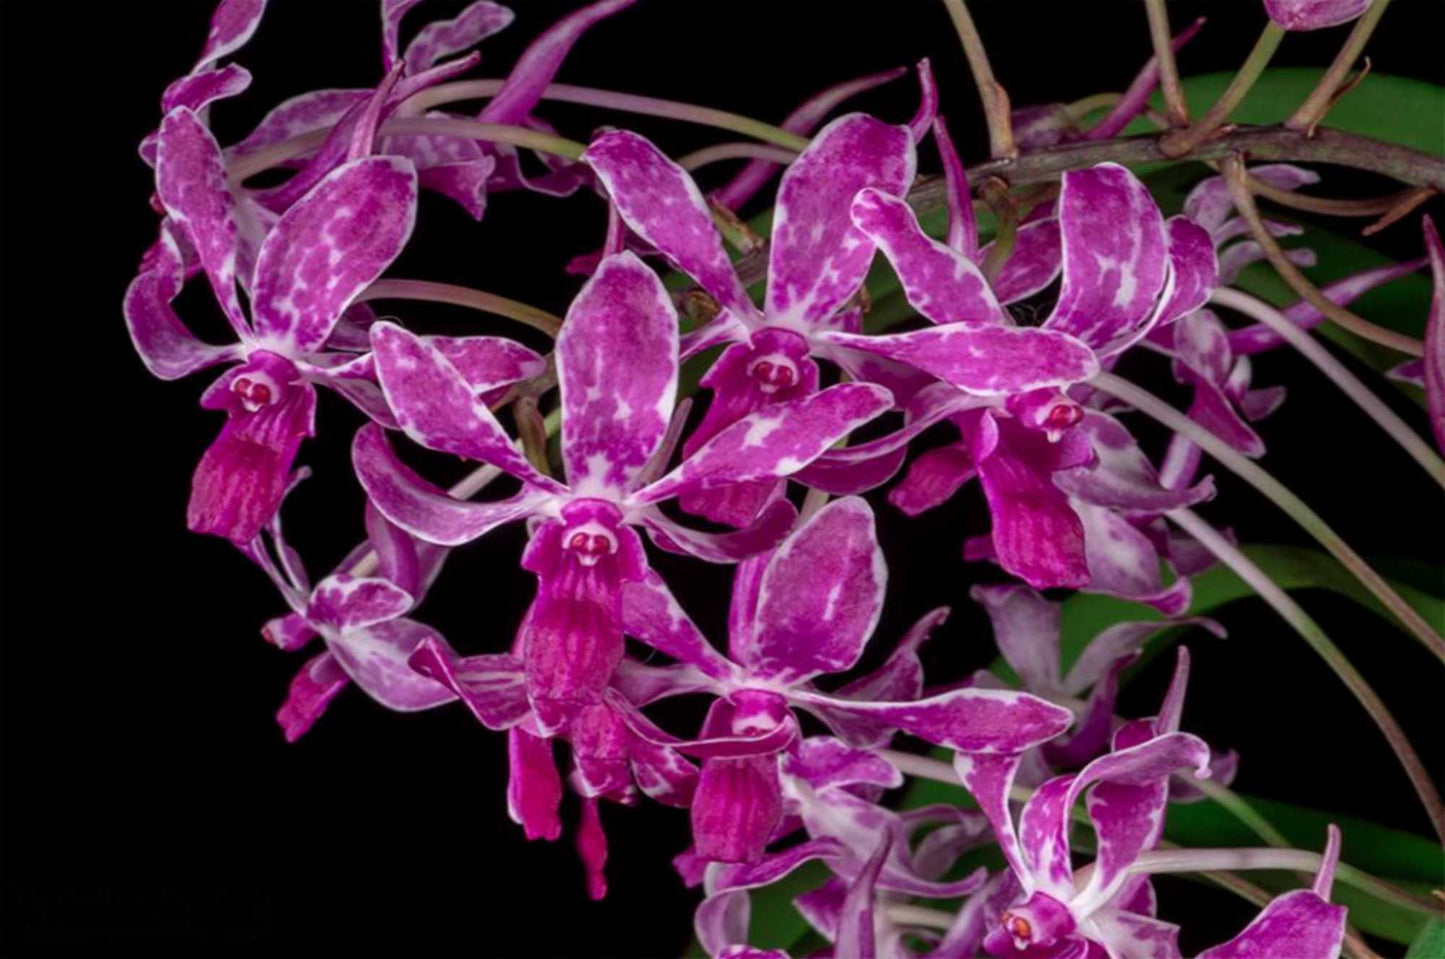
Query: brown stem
point(1322, 97)
point(1330, 206)
point(1244, 203)
point(993, 95)
point(1181, 142)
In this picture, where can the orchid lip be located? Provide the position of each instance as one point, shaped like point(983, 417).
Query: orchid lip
point(773, 372)
point(590, 542)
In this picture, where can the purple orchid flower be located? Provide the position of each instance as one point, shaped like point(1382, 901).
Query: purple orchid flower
point(1053, 912)
point(617, 361)
point(831, 788)
point(801, 612)
point(1026, 630)
point(313, 262)
point(1314, 14)
point(361, 619)
point(817, 262)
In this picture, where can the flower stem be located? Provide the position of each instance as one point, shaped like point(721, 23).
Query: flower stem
point(623, 102)
point(1183, 141)
point(735, 151)
point(1281, 496)
point(1349, 384)
point(994, 97)
point(1236, 805)
point(462, 296)
point(1312, 634)
point(1169, 82)
point(1234, 176)
point(1322, 97)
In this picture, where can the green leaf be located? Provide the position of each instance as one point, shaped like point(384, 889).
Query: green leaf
point(1430, 944)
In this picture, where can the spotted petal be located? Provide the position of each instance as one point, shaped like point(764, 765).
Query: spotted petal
point(232, 24)
point(617, 370)
point(442, 38)
point(168, 349)
point(991, 721)
point(1314, 14)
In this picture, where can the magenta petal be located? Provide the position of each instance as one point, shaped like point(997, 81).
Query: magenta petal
point(962, 227)
point(345, 602)
point(534, 790)
point(1434, 359)
point(737, 805)
point(765, 532)
point(167, 348)
point(775, 442)
point(652, 614)
point(489, 363)
point(232, 24)
point(240, 481)
point(1026, 629)
point(1037, 536)
point(1115, 254)
point(1258, 337)
point(1034, 263)
point(329, 246)
point(899, 679)
point(1314, 15)
point(968, 720)
point(315, 110)
point(1122, 475)
point(310, 693)
point(421, 508)
point(818, 258)
point(820, 597)
point(198, 90)
point(541, 60)
point(617, 371)
point(1124, 562)
point(750, 179)
point(941, 283)
point(191, 181)
point(376, 658)
point(438, 408)
point(852, 479)
point(774, 866)
point(1195, 269)
point(1299, 924)
point(984, 360)
point(856, 937)
point(933, 478)
point(492, 686)
point(464, 181)
point(442, 38)
point(659, 201)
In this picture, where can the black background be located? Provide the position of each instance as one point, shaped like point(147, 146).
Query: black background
point(149, 801)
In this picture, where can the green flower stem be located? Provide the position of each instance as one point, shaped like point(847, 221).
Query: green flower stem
point(736, 151)
point(1349, 384)
point(1235, 804)
point(278, 153)
point(1183, 141)
point(462, 296)
point(611, 100)
point(1311, 633)
point(1281, 496)
point(1169, 83)
point(994, 97)
point(1234, 176)
point(1322, 97)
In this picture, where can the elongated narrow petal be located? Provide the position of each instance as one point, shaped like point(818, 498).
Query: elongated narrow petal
point(376, 658)
point(489, 363)
point(776, 442)
point(420, 508)
point(442, 38)
point(941, 283)
point(1115, 254)
point(534, 790)
point(820, 597)
point(1258, 337)
point(617, 370)
point(1195, 269)
point(765, 532)
point(900, 678)
point(1314, 15)
point(1037, 536)
point(967, 720)
point(1434, 360)
point(1118, 641)
point(315, 110)
point(330, 246)
point(541, 60)
point(492, 686)
point(438, 408)
point(652, 614)
point(818, 258)
point(1026, 629)
point(199, 90)
point(933, 478)
point(191, 181)
point(311, 691)
point(984, 360)
point(1124, 562)
point(168, 349)
point(1122, 475)
point(750, 179)
point(856, 935)
point(464, 181)
point(659, 201)
point(232, 24)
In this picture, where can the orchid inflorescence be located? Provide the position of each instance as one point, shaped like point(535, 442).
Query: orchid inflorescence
point(1037, 417)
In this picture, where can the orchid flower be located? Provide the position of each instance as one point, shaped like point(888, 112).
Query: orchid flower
point(617, 361)
point(1052, 915)
point(1314, 14)
point(831, 788)
point(1026, 630)
point(361, 619)
point(314, 260)
point(817, 262)
point(801, 612)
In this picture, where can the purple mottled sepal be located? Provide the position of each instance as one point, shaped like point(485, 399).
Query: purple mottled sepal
point(1314, 14)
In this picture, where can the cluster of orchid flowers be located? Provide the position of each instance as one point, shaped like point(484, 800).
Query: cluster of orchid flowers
point(1074, 501)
